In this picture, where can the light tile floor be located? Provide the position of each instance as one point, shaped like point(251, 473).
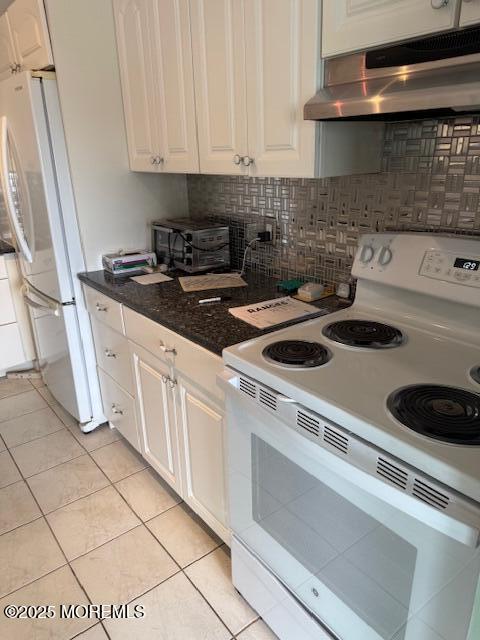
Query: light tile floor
point(83, 519)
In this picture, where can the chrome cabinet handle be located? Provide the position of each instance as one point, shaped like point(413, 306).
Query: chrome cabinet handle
point(110, 354)
point(165, 349)
point(237, 159)
point(170, 381)
point(116, 410)
point(101, 307)
point(438, 4)
point(247, 161)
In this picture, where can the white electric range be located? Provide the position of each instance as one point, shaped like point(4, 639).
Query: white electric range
point(354, 444)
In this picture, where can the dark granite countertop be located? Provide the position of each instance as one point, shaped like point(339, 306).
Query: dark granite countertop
point(209, 325)
point(6, 248)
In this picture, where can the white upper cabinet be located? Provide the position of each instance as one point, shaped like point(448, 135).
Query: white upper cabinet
point(30, 35)
point(24, 38)
point(350, 25)
point(282, 56)
point(469, 12)
point(175, 91)
point(154, 48)
point(218, 38)
point(7, 53)
point(135, 53)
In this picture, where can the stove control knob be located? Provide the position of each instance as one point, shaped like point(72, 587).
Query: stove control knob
point(366, 254)
point(385, 256)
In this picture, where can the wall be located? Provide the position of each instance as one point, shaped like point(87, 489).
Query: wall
point(114, 204)
point(430, 182)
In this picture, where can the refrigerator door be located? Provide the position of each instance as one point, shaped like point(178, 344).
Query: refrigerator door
point(30, 189)
point(60, 352)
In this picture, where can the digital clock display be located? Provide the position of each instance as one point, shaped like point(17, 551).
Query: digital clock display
point(465, 263)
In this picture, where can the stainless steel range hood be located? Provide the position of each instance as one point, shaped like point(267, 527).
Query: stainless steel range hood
point(432, 76)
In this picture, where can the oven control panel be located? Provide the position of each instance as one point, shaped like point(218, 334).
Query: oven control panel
point(450, 267)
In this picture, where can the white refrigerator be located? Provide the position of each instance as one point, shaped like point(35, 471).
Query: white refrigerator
point(40, 204)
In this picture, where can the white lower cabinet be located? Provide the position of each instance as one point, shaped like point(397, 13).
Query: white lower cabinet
point(159, 390)
point(202, 442)
point(119, 408)
point(155, 398)
point(180, 416)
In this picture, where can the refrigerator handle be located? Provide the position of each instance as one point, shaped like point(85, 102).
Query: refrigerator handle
point(50, 307)
point(8, 196)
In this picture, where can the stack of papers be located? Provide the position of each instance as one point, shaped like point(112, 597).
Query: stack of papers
point(273, 312)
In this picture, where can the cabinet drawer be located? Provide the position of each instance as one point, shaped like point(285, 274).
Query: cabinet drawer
point(7, 310)
point(151, 335)
point(104, 309)
point(113, 356)
point(119, 408)
point(200, 366)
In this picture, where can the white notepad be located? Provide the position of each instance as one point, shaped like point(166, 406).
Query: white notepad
point(273, 312)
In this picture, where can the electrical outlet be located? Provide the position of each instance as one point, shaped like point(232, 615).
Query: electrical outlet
point(270, 227)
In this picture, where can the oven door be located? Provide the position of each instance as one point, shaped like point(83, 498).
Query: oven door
point(365, 568)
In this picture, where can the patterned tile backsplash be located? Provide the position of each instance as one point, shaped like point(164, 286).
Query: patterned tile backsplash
point(430, 182)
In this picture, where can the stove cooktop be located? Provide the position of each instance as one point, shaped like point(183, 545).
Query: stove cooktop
point(440, 412)
point(297, 353)
point(352, 391)
point(364, 334)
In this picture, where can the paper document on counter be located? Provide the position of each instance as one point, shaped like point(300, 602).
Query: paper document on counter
point(273, 312)
point(151, 278)
point(212, 281)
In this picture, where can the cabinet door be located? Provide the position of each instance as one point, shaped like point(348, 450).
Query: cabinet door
point(350, 25)
point(218, 39)
point(173, 67)
point(30, 34)
point(156, 414)
point(469, 13)
point(134, 20)
point(282, 56)
point(7, 55)
point(203, 456)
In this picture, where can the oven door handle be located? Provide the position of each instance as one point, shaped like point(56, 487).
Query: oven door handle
point(463, 529)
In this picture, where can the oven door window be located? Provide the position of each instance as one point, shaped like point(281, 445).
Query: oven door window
point(366, 570)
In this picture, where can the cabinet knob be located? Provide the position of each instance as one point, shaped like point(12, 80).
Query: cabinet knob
point(247, 161)
point(165, 349)
point(116, 410)
point(110, 354)
point(101, 307)
point(237, 159)
point(153, 160)
point(438, 4)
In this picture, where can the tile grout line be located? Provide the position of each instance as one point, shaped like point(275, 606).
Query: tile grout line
point(67, 562)
point(141, 523)
point(20, 444)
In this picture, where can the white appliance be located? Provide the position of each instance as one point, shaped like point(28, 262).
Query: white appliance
point(40, 204)
point(354, 454)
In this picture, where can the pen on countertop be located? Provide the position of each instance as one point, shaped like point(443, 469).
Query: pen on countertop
point(216, 299)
